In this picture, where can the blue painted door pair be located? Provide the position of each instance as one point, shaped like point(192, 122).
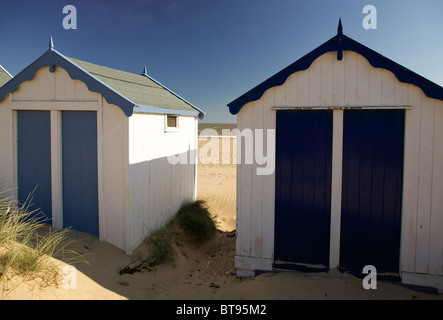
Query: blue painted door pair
point(371, 188)
point(79, 166)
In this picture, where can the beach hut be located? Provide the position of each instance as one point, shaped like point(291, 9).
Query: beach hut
point(97, 147)
point(358, 176)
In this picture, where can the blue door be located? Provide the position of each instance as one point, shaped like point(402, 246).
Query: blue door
point(373, 142)
point(303, 187)
point(34, 160)
point(79, 161)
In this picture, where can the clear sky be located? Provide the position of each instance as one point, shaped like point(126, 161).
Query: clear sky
point(212, 51)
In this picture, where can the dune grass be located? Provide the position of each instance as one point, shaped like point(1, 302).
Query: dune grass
point(27, 244)
point(193, 222)
point(196, 220)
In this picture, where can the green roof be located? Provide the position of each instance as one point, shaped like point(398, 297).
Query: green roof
point(4, 76)
point(140, 89)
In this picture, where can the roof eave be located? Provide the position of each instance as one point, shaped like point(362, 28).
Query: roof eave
point(201, 113)
point(431, 89)
point(158, 110)
point(53, 58)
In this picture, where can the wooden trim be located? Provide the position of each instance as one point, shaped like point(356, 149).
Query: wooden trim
point(56, 170)
point(336, 190)
point(77, 105)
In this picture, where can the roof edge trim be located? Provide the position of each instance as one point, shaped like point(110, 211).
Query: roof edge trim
point(53, 58)
point(429, 88)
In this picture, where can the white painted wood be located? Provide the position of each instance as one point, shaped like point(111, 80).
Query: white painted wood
point(245, 202)
point(353, 83)
point(424, 184)
point(314, 83)
point(8, 136)
point(302, 89)
point(87, 105)
point(410, 182)
point(350, 60)
point(257, 180)
point(363, 81)
point(268, 187)
point(115, 185)
point(336, 188)
point(436, 219)
point(375, 86)
point(253, 263)
point(389, 89)
point(14, 154)
point(338, 81)
point(56, 169)
point(326, 80)
point(102, 216)
point(427, 280)
point(162, 171)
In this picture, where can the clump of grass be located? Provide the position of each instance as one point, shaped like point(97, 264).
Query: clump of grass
point(159, 246)
point(192, 220)
point(196, 220)
point(26, 244)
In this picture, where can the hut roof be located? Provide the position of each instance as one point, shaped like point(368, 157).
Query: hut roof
point(131, 92)
point(339, 43)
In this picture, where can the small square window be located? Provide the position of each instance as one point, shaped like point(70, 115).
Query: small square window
point(171, 123)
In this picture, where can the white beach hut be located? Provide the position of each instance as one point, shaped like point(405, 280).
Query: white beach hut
point(358, 176)
point(95, 145)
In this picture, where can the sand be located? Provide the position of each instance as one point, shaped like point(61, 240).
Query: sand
point(204, 272)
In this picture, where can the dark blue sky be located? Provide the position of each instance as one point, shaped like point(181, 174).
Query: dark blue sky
point(211, 52)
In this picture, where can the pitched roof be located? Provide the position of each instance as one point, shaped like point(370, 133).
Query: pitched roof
point(339, 43)
point(131, 92)
point(5, 76)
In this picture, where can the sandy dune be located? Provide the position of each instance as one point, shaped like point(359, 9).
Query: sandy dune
point(199, 272)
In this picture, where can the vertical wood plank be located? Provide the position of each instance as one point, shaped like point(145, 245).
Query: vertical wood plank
point(363, 81)
point(56, 170)
point(326, 79)
point(280, 94)
point(350, 95)
point(436, 226)
point(336, 191)
point(375, 86)
point(338, 83)
point(315, 83)
point(291, 92)
point(246, 186)
point(268, 190)
point(410, 182)
point(257, 180)
point(302, 89)
point(389, 88)
point(424, 184)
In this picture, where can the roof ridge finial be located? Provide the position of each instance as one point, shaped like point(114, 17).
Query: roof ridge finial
point(340, 27)
point(339, 40)
point(51, 43)
point(145, 71)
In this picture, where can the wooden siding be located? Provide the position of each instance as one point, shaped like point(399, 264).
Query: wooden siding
point(352, 82)
point(158, 187)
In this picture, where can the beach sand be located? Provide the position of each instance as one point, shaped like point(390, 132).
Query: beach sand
point(201, 272)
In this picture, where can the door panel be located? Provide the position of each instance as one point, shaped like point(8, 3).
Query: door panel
point(34, 160)
point(373, 142)
point(79, 161)
point(303, 186)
